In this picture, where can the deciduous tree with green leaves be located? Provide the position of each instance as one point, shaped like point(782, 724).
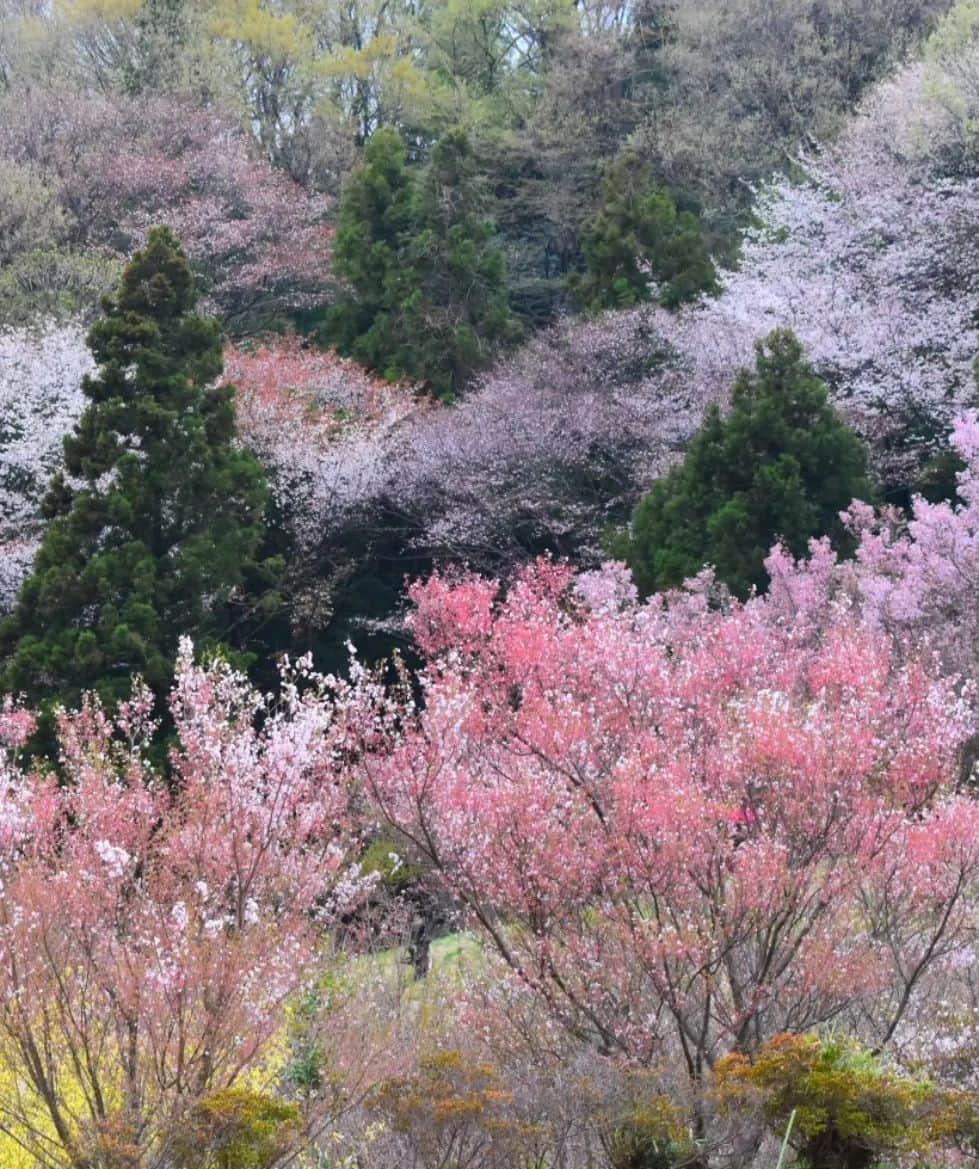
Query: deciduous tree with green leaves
point(781, 464)
point(159, 523)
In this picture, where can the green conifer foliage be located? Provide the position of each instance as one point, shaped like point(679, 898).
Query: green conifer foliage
point(782, 463)
point(160, 519)
point(639, 247)
point(428, 298)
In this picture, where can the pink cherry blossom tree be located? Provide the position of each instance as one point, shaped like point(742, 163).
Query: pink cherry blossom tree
point(547, 449)
point(913, 578)
point(119, 167)
point(152, 929)
point(685, 827)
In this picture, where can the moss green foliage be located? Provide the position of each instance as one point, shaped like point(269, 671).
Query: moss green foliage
point(849, 1109)
point(652, 1135)
point(382, 857)
point(235, 1128)
point(639, 247)
point(55, 283)
point(781, 464)
point(161, 520)
point(428, 299)
point(40, 274)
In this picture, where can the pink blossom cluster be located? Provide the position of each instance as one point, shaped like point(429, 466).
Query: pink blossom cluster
point(548, 448)
point(324, 428)
point(914, 579)
point(119, 168)
point(16, 724)
point(684, 827)
point(151, 928)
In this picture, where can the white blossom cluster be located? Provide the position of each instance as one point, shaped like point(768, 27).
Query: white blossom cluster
point(872, 258)
point(41, 371)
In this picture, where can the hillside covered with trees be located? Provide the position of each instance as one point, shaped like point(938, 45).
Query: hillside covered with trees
point(489, 539)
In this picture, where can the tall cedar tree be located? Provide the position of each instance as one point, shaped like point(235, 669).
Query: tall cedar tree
point(781, 464)
point(640, 247)
point(429, 300)
point(164, 519)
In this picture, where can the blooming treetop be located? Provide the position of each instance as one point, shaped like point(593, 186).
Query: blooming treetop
point(321, 424)
point(871, 258)
point(152, 929)
point(686, 828)
point(914, 579)
point(41, 398)
point(119, 168)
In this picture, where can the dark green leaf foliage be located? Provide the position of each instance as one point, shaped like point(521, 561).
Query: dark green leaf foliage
point(640, 247)
point(782, 463)
point(428, 299)
point(164, 524)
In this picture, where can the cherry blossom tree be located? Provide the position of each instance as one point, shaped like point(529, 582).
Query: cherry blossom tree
point(41, 371)
point(119, 167)
point(321, 423)
point(913, 578)
point(152, 928)
point(870, 258)
point(328, 434)
point(547, 449)
point(684, 827)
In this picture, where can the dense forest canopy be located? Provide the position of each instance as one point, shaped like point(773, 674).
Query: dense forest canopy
point(489, 538)
point(713, 96)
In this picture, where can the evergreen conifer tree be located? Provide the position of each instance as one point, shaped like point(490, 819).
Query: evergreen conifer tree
point(160, 518)
point(781, 464)
point(428, 298)
point(639, 247)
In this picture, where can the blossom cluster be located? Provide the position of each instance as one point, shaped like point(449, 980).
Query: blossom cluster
point(118, 169)
point(323, 427)
point(685, 826)
point(41, 371)
point(152, 927)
